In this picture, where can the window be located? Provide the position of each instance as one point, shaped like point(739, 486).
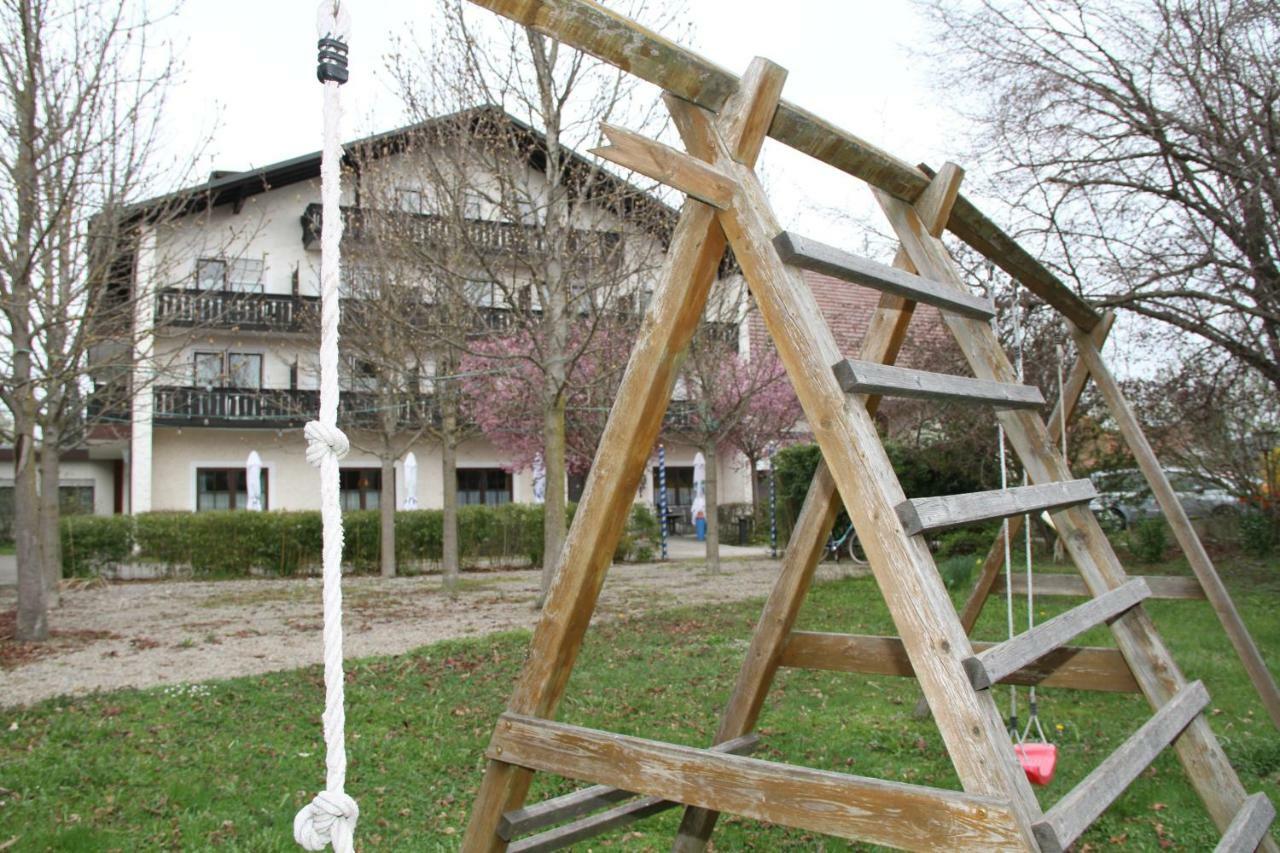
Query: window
point(228, 370)
point(211, 274)
point(482, 294)
point(75, 500)
point(490, 486)
point(410, 201)
point(360, 488)
point(679, 486)
point(357, 374)
point(225, 488)
point(472, 203)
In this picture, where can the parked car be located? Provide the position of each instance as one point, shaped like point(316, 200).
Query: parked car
point(1124, 496)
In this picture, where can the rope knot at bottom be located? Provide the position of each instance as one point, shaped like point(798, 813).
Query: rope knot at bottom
point(323, 440)
point(330, 818)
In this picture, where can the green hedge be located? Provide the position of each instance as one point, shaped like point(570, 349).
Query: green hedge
point(285, 543)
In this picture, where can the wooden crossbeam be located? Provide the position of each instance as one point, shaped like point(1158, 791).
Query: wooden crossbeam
point(920, 515)
point(863, 377)
point(689, 175)
point(611, 37)
point(592, 825)
point(1250, 826)
point(819, 257)
point(998, 662)
point(907, 816)
point(1073, 814)
point(1170, 587)
point(1073, 667)
point(576, 803)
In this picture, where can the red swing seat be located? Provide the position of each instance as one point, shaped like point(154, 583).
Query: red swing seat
point(1038, 760)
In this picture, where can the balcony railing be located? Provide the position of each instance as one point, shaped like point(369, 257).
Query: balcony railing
point(221, 309)
point(481, 235)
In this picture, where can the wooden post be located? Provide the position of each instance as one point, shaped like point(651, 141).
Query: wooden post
point(1155, 670)
point(885, 334)
point(1190, 543)
point(696, 250)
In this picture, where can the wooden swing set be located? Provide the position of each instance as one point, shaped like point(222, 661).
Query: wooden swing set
point(723, 121)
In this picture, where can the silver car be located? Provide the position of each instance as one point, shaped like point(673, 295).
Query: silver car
point(1124, 497)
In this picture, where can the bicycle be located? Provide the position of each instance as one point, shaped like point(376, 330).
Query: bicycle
point(846, 543)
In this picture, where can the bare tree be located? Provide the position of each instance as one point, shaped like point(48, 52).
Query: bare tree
point(82, 95)
point(1141, 141)
point(542, 226)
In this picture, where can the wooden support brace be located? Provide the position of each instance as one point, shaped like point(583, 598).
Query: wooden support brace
point(1073, 667)
point(676, 169)
point(1169, 587)
point(906, 816)
point(998, 662)
point(1073, 814)
point(921, 515)
point(592, 825)
point(863, 377)
point(1250, 826)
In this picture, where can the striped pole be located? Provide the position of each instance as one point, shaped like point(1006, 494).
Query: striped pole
point(773, 510)
point(662, 499)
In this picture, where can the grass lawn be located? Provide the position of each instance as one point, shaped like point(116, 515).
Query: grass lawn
point(226, 764)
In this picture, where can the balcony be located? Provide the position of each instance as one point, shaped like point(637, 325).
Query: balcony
point(223, 309)
point(481, 235)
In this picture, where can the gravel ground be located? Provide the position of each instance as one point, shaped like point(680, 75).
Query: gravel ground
point(138, 634)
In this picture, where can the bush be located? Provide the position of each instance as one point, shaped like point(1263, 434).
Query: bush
point(1259, 533)
point(956, 571)
point(93, 542)
point(1148, 540)
point(967, 540)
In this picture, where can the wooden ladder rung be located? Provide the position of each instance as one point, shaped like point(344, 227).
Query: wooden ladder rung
point(1162, 586)
point(998, 662)
point(893, 814)
point(1249, 826)
point(920, 515)
point(818, 257)
point(592, 825)
point(867, 377)
point(1076, 811)
point(559, 809)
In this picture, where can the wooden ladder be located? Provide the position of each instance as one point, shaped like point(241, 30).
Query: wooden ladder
point(997, 808)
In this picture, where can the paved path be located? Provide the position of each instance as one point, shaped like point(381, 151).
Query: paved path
point(8, 570)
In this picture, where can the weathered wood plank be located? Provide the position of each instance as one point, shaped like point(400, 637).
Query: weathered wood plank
point(906, 816)
point(885, 334)
point(1073, 814)
point(920, 515)
point(996, 663)
point(1214, 589)
point(819, 257)
point(691, 176)
point(680, 294)
point(1171, 587)
point(1073, 667)
point(1154, 668)
point(861, 377)
point(606, 35)
point(592, 825)
point(559, 809)
point(1250, 826)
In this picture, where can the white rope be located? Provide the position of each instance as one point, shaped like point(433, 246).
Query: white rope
point(331, 817)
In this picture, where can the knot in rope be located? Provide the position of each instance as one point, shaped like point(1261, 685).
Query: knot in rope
point(323, 440)
point(330, 818)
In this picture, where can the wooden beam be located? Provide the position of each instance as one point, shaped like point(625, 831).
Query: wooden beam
point(886, 331)
point(828, 260)
point(1080, 807)
point(1215, 590)
point(863, 377)
point(1073, 667)
point(591, 28)
point(1171, 587)
point(905, 816)
point(576, 803)
point(998, 662)
point(1154, 668)
point(592, 825)
point(920, 515)
point(676, 169)
point(693, 258)
point(1250, 826)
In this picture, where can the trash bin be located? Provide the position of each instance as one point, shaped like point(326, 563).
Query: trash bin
point(700, 528)
point(744, 530)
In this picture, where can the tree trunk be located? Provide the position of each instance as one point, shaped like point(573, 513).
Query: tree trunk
point(387, 515)
point(713, 508)
point(449, 483)
point(33, 613)
point(50, 513)
point(553, 526)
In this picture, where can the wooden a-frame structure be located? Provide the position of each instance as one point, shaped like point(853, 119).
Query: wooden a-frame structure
point(723, 122)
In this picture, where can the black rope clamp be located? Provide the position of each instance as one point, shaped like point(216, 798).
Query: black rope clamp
point(332, 60)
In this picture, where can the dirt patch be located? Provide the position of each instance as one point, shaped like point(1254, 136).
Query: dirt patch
point(139, 634)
